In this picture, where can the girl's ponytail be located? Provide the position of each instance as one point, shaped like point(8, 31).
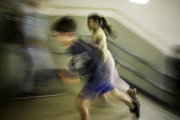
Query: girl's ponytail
point(107, 28)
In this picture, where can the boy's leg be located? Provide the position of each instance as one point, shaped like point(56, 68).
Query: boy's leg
point(104, 98)
point(80, 105)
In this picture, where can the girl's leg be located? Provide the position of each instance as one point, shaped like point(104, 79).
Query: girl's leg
point(132, 93)
point(121, 96)
point(134, 106)
point(80, 105)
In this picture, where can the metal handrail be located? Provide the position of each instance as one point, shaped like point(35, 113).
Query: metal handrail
point(138, 57)
point(130, 68)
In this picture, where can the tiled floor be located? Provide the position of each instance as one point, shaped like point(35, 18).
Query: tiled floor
point(62, 108)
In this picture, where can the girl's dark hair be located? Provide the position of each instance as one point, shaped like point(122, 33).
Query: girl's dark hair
point(103, 24)
point(64, 24)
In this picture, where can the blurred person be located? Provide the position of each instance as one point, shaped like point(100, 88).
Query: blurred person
point(101, 29)
point(39, 60)
point(176, 61)
point(13, 24)
point(100, 79)
point(173, 66)
point(12, 47)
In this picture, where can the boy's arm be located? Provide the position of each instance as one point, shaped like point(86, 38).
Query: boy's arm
point(72, 64)
point(93, 46)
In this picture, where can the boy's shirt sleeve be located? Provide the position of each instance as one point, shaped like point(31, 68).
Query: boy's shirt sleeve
point(81, 54)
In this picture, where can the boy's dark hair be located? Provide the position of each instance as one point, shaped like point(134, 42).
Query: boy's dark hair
point(64, 24)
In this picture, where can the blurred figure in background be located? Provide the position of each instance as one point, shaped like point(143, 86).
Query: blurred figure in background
point(12, 47)
point(176, 62)
point(173, 66)
point(40, 62)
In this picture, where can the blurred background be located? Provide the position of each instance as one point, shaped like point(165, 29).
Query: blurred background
point(32, 65)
